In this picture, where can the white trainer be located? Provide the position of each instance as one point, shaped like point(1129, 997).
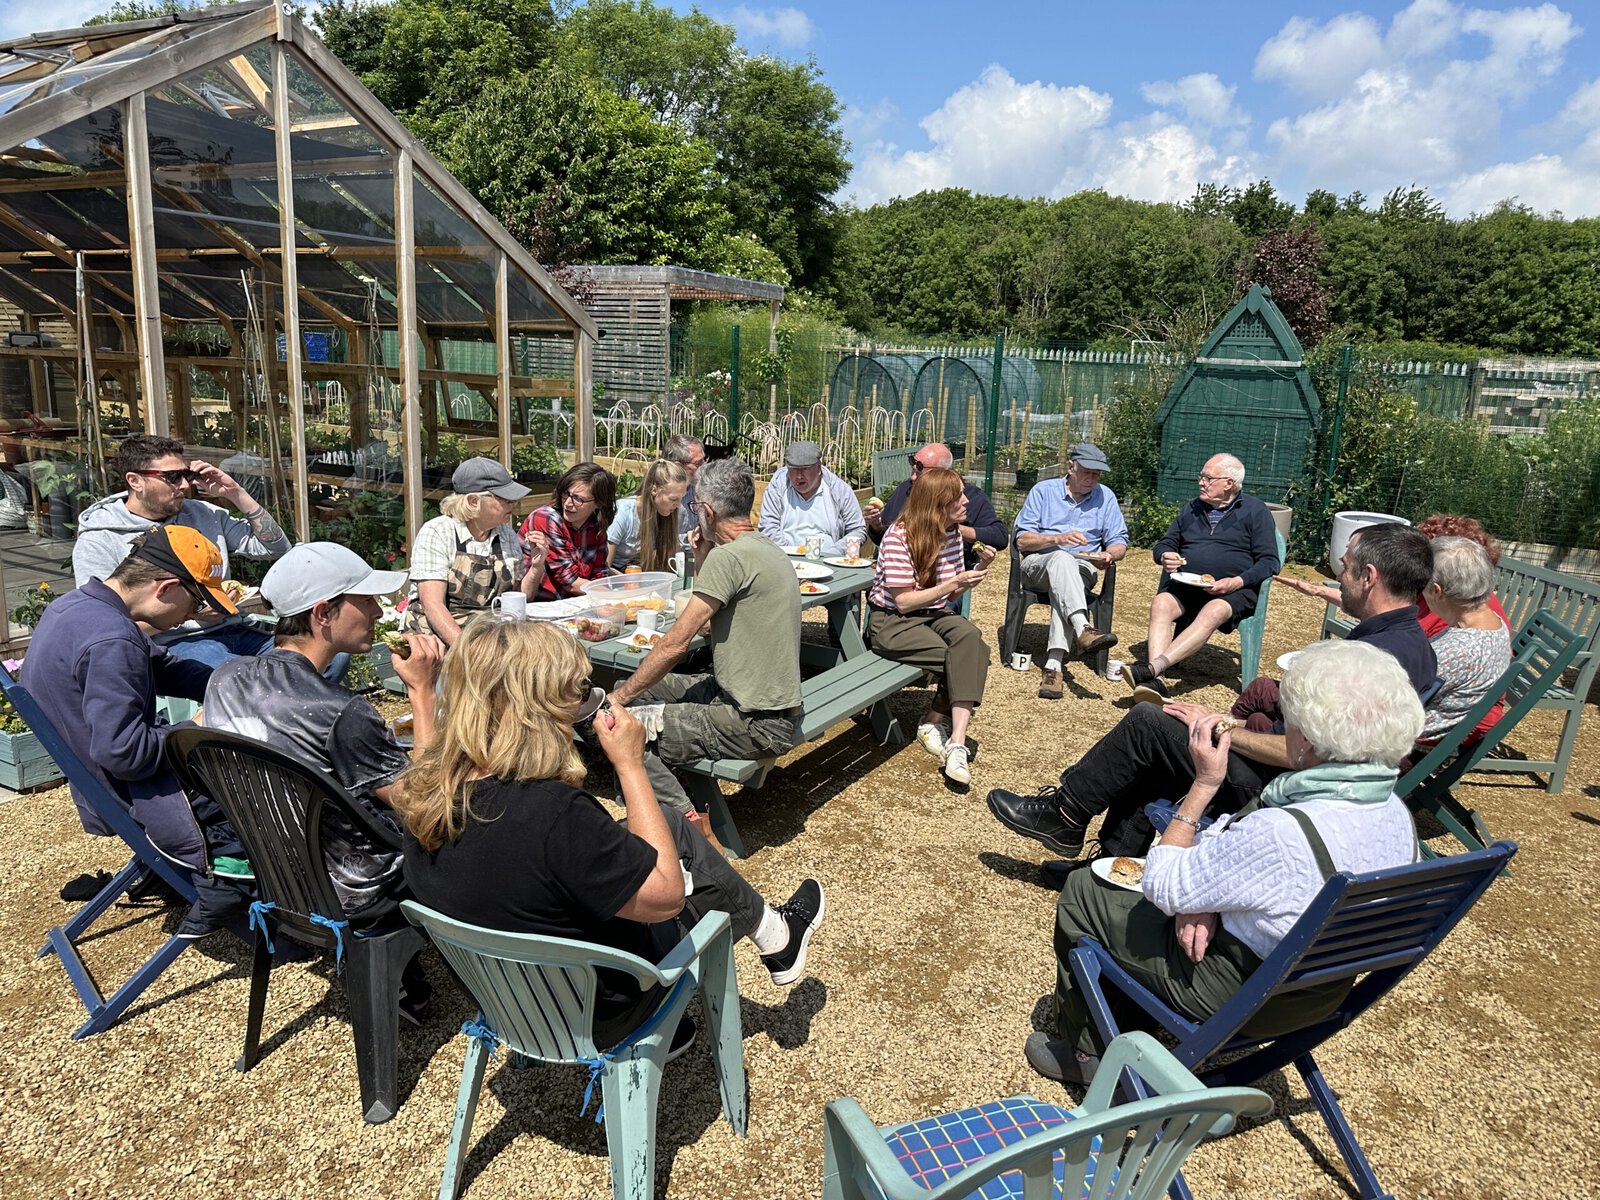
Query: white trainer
point(933, 738)
point(955, 764)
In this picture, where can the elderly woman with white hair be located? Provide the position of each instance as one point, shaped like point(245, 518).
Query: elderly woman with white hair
point(1474, 649)
point(1215, 902)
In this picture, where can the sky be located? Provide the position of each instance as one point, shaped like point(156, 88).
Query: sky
point(1477, 103)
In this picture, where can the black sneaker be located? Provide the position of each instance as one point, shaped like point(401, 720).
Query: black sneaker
point(85, 887)
point(198, 923)
point(1147, 686)
point(802, 913)
point(151, 888)
point(1038, 817)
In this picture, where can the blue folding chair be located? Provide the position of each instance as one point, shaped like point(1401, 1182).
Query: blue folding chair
point(1371, 929)
point(63, 940)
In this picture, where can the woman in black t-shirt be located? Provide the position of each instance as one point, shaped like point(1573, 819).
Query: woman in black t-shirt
point(501, 835)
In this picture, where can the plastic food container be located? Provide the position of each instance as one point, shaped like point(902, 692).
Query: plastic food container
point(590, 627)
point(622, 597)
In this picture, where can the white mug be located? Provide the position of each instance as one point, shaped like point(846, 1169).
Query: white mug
point(1021, 662)
point(649, 620)
point(513, 606)
point(1113, 669)
point(677, 564)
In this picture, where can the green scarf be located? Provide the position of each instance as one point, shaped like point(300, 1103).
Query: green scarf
point(1359, 783)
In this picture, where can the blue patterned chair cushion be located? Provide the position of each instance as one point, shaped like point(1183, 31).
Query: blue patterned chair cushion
point(934, 1149)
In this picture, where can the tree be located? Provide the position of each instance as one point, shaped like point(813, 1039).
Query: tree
point(580, 174)
point(774, 126)
point(1289, 262)
point(1257, 209)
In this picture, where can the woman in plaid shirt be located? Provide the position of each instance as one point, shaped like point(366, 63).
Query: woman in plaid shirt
point(574, 524)
point(919, 580)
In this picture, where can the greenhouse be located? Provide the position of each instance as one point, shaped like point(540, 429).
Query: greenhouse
point(167, 185)
point(875, 380)
point(956, 392)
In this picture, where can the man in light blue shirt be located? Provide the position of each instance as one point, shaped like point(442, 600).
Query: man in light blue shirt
point(1068, 530)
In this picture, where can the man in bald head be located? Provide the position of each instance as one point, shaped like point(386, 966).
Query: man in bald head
point(1225, 546)
point(982, 526)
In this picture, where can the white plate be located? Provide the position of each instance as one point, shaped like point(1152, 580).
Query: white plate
point(849, 564)
point(640, 640)
point(810, 570)
point(1190, 577)
point(1286, 658)
point(822, 589)
point(1102, 868)
point(795, 551)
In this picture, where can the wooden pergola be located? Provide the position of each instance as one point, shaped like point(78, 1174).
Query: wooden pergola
point(212, 196)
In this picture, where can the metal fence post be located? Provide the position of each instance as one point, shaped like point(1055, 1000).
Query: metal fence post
point(733, 385)
point(994, 412)
point(1345, 357)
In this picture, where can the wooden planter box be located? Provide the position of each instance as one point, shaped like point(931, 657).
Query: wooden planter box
point(24, 763)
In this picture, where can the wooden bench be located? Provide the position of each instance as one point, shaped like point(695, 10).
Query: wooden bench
point(856, 685)
point(1524, 589)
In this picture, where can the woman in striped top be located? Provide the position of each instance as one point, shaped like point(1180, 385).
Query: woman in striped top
point(919, 581)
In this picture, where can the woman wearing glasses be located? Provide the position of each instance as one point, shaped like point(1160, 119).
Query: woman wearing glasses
point(573, 526)
point(502, 835)
point(161, 485)
point(918, 581)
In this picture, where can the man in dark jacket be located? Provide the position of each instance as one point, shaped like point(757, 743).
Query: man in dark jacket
point(96, 676)
point(982, 526)
point(1218, 551)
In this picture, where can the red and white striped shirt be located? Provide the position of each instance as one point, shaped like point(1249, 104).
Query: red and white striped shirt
point(895, 569)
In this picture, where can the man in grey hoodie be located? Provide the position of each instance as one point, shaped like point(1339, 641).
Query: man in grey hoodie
point(160, 491)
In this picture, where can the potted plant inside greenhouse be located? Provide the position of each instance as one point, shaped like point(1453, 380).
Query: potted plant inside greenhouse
point(23, 761)
point(537, 463)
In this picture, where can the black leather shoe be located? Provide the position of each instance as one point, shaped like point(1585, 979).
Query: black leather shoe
point(1056, 1059)
point(1038, 817)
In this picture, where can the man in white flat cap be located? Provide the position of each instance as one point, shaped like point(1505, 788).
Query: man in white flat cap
point(806, 498)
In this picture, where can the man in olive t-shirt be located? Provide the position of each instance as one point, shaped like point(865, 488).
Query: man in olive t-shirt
point(745, 587)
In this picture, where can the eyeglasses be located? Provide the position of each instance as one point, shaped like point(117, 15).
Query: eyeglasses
point(574, 499)
point(176, 477)
point(916, 464)
point(1213, 478)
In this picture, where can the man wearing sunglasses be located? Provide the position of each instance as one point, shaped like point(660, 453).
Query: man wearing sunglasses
point(161, 487)
point(982, 527)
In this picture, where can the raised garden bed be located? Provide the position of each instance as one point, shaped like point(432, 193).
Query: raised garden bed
point(24, 764)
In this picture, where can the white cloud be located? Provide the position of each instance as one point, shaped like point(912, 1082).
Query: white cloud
point(1320, 61)
point(1203, 99)
point(1546, 183)
point(1000, 136)
point(1582, 109)
point(786, 26)
point(1429, 104)
point(864, 124)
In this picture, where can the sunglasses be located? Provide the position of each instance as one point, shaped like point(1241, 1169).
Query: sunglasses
point(176, 477)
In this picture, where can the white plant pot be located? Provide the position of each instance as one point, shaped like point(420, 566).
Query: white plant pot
point(1347, 523)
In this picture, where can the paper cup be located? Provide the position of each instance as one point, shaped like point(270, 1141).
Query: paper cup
point(1022, 662)
point(1113, 669)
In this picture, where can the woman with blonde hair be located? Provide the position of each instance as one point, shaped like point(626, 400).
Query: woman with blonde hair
point(467, 557)
point(500, 834)
point(918, 582)
point(645, 529)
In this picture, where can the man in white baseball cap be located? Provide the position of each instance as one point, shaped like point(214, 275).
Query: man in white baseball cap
point(325, 596)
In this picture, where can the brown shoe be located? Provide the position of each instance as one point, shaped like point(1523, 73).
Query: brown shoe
point(1050, 685)
point(1092, 641)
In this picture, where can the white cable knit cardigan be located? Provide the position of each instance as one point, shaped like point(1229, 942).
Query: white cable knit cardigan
point(1258, 871)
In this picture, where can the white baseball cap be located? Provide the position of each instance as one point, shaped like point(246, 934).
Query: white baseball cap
point(314, 571)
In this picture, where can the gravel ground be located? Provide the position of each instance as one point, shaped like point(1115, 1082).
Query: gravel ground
point(1476, 1079)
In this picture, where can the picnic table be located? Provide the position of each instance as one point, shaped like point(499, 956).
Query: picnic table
point(852, 680)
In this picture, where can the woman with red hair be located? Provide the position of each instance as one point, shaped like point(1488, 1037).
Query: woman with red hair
point(919, 581)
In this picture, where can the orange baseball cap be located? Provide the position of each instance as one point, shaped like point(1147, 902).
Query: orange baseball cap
point(192, 557)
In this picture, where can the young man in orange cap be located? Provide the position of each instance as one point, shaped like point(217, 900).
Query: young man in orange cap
point(96, 675)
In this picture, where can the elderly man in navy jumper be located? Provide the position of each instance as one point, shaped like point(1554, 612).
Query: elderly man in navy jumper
point(1146, 755)
point(1225, 535)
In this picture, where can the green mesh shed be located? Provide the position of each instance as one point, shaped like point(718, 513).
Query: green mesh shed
point(874, 380)
point(1247, 393)
point(956, 391)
